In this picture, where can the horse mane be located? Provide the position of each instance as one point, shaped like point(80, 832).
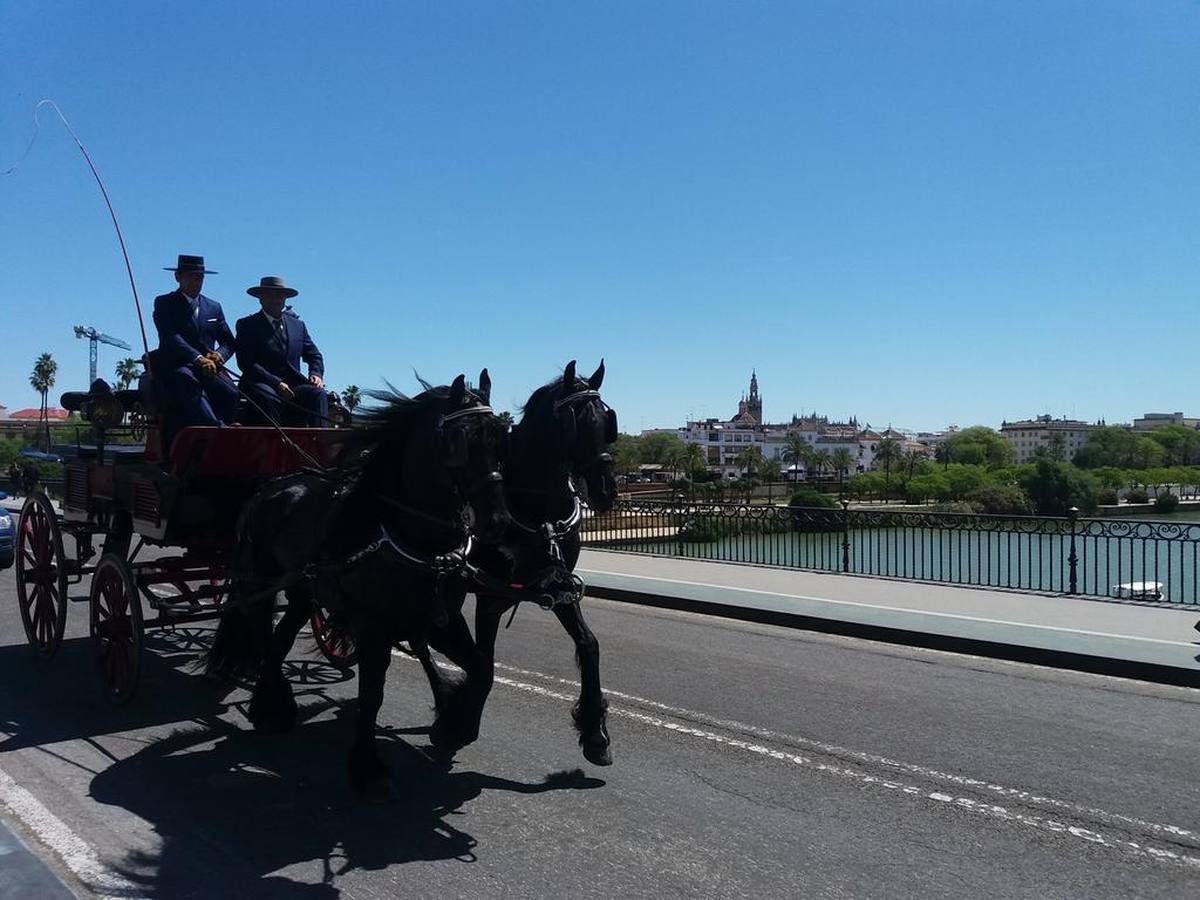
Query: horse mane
point(392, 421)
point(545, 394)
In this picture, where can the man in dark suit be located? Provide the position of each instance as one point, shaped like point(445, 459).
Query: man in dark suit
point(270, 346)
point(194, 343)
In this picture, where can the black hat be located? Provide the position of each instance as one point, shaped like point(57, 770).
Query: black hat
point(271, 283)
point(190, 264)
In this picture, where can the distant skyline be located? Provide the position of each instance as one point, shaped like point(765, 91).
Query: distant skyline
point(919, 213)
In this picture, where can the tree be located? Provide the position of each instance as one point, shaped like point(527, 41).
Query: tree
point(626, 453)
point(889, 452)
point(351, 397)
point(658, 447)
point(770, 470)
point(1055, 487)
point(127, 372)
point(796, 452)
point(979, 445)
point(693, 459)
point(41, 380)
point(506, 418)
point(750, 460)
point(912, 459)
point(841, 460)
point(820, 460)
point(1178, 442)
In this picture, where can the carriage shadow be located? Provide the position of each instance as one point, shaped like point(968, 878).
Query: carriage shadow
point(247, 815)
point(238, 813)
point(47, 701)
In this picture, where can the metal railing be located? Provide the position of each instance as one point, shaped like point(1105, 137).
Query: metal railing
point(1130, 558)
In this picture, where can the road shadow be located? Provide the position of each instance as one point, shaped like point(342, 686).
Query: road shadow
point(61, 699)
point(235, 810)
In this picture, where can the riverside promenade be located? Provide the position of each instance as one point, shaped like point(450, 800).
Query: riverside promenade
point(1150, 641)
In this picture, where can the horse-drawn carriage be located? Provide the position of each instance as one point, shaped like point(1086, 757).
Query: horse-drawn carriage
point(385, 527)
point(184, 495)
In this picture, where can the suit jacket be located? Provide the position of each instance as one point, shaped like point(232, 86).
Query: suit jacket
point(182, 337)
point(264, 358)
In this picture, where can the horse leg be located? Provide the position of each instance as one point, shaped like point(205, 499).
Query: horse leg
point(590, 712)
point(457, 722)
point(367, 772)
point(273, 704)
point(438, 685)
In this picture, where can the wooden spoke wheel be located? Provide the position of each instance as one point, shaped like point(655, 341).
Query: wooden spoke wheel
point(41, 576)
point(117, 631)
point(332, 634)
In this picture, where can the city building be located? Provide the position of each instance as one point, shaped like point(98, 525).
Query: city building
point(1152, 420)
point(1030, 435)
point(724, 441)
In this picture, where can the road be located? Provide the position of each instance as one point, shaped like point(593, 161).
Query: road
point(750, 760)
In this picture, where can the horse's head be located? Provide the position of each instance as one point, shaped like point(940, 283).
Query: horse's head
point(581, 426)
point(473, 447)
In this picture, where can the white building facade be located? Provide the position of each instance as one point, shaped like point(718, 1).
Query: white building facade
point(1029, 435)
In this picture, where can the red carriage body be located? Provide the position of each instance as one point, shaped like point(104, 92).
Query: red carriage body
point(187, 499)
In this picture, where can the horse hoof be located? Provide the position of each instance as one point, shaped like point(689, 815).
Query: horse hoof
point(597, 752)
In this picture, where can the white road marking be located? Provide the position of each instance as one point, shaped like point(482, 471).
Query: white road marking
point(970, 804)
point(873, 759)
point(75, 853)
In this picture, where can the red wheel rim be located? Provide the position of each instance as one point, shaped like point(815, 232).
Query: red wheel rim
point(116, 629)
point(333, 639)
point(40, 578)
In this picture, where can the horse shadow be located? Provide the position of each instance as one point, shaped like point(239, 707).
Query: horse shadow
point(247, 815)
point(237, 813)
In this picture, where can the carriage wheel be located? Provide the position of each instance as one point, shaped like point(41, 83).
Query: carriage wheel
point(333, 639)
point(117, 627)
point(41, 576)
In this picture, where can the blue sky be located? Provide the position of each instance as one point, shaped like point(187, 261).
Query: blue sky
point(913, 212)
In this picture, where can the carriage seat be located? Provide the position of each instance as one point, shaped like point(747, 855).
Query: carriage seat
point(201, 451)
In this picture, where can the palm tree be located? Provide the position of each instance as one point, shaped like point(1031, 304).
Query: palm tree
point(889, 452)
point(693, 458)
point(127, 372)
point(841, 461)
point(506, 418)
point(796, 451)
point(771, 470)
point(351, 397)
point(41, 380)
point(820, 460)
point(912, 457)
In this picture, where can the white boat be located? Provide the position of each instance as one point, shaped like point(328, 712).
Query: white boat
point(1139, 590)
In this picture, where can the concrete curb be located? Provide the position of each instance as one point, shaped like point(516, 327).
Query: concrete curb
point(23, 876)
point(1164, 662)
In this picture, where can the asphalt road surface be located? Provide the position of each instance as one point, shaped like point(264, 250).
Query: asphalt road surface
point(750, 760)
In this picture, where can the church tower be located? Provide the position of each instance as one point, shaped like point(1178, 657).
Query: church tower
point(750, 407)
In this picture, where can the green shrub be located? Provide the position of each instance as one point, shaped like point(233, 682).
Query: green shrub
point(701, 529)
point(1167, 502)
point(1137, 495)
point(1054, 487)
point(999, 500)
point(811, 497)
point(1107, 497)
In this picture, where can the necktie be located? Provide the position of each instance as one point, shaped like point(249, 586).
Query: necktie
point(279, 330)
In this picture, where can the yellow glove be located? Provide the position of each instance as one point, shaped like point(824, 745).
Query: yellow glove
point(206, 365)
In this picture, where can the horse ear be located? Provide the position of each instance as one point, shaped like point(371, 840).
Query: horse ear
point(485, 386)
point(457, 389)
point(569, 377)
point(597, 378)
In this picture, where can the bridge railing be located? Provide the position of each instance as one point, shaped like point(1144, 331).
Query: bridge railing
point(1132, 559)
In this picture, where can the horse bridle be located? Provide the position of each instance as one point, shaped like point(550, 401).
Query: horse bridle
point(471, 488)
point(610, 421)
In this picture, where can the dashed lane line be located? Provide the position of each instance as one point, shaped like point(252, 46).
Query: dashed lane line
point(992, 811)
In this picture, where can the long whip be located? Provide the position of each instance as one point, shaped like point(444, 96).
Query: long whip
point(107, 202)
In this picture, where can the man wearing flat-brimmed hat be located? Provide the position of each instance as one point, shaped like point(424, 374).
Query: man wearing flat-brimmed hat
point(194, 343)
point(270, 346)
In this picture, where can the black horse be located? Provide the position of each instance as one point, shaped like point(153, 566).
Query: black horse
point(559, 459)
point(376, 541)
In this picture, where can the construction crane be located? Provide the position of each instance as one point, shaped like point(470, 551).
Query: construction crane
point(94, 337)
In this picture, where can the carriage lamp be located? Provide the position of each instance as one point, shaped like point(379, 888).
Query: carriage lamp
point(104, 411)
